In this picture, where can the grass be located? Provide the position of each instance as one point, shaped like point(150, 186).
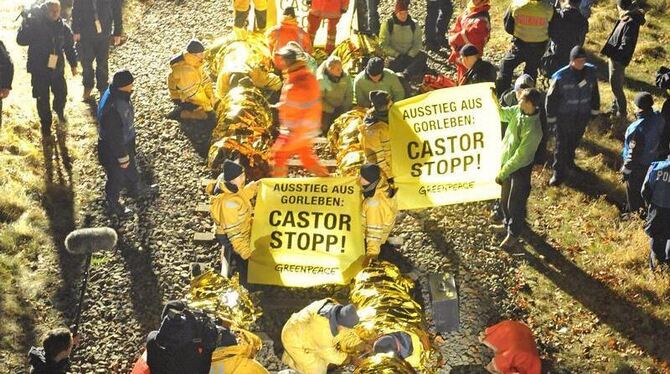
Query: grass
point(588, 292)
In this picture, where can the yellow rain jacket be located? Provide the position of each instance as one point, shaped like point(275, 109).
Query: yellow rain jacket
point(238, 359)
point(309, 345)
point(376, 143)
point(232, 212)
point(378, 213)
point(189, 83)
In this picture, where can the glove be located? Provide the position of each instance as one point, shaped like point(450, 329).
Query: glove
point(499, 181)
point(390, 181)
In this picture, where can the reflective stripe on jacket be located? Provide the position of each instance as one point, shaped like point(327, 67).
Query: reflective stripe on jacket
point(310, 346)
point(376, 143)
point(287, 31)
point(378, 213)
point(573, 95)
point(531, 20)
point(232, 212)
point(471, 27)
point(189, 83)
point(642, 141)
point(300, 104)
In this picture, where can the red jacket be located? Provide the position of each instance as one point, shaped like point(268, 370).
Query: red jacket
point(300, 106)
point(288, 30)
point(473, 27)
point(328, 8)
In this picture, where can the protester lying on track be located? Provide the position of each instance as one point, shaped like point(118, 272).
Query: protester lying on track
point(309, 337)
point(375, 136)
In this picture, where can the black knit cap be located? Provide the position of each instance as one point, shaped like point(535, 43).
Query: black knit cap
point(625, 4)
point(469, 50)
point(289, 11)
point(375, 66)
point(380, 99)
point(231, 170)
point(577, 52)
point(195, 46)
point(663, 79)
point(370, 172)
point(644, 100)
point(122, 78)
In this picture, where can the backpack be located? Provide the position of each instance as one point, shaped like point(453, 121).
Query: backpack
point(184, 343)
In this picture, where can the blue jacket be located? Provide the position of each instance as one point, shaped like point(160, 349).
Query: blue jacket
point(573, 95)
point(641, 144)
point(656, 192)
point(116, 127)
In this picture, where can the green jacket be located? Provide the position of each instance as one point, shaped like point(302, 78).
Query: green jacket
point(522, 137)
point(335, 95)
point(402, 41)
point(389, 83)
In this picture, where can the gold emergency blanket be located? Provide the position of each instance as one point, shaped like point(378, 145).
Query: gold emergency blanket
point(344, 142)
point(381, 294)
point(223, 298)
point(244, 119)
point(384, 363)
point(354, 51)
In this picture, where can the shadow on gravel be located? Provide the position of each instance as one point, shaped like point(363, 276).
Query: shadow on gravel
point(611, 159)
point(645, 330)
point(594, 186)
point(145, 294)
point(58, 203)
point(198, 133)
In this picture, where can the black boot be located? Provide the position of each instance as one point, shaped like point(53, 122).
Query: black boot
point(241, 18)
point(261, 17)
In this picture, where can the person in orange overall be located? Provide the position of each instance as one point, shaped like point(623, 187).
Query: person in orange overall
point(471, 27)
point(299, 110)
point(331, 10)
point(287, 31)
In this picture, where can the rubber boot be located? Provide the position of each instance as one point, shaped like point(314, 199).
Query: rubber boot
point(261, 17)
point(241, 18)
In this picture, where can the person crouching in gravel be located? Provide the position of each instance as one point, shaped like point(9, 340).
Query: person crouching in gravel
point(523, 136)
point(310, 336)
point(232, 212)
point(54, 355)
point(190, 87)
point(379, 210)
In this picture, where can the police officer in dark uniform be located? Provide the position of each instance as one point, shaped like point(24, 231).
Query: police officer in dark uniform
point(573, 100)
point(116, 141)
point(656, 192)
point(47, 36)
point(92, 26)
point(641, 148)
